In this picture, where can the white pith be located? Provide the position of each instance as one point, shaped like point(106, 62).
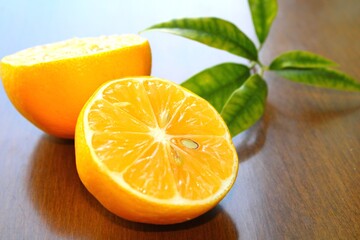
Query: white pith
point(75, 47)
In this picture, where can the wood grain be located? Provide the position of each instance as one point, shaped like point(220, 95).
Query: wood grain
point(299, 165)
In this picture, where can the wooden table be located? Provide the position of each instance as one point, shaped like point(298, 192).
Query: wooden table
point(299, 172)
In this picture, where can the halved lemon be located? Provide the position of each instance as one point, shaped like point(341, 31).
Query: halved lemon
point(49, 84)
point(151, 151)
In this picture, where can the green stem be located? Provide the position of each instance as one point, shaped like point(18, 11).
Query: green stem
point(262, 68)
point(252, 67)
point(262, 72)
point(256, 67)
point(252, 64)
point(260, 47)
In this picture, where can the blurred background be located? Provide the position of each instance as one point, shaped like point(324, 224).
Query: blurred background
point(28, 23)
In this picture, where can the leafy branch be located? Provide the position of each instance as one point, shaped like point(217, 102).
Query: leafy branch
point(238, 92)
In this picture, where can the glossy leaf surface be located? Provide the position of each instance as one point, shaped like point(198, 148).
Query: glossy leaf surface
point(300, 59)
point(321, 77)
point(216, 84)
point(263, 13)
point(214, 32)
point(246, 105)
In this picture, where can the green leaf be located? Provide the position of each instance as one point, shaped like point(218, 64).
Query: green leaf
point(214, 32)
point(321, 77)
point(217, 83)
point(300, 59)
point(263, 13)
point(246, 105)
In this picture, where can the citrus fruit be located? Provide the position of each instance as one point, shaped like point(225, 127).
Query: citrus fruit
point(151, 151)
point(49, 84)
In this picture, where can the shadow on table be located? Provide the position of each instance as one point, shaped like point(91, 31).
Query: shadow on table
point(251, 141)
point(318, 107)
point(69, 210)
point(316, 116)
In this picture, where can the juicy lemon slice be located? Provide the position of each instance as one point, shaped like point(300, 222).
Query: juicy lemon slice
point(151, 151)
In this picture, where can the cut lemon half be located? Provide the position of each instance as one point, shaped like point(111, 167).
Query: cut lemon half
point(49, 84)
point(151, 151)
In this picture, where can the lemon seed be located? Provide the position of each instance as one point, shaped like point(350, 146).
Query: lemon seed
point(190, 143)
